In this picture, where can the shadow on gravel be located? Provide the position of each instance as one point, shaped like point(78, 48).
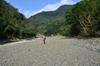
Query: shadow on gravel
point(5, 42)
point(98, 50)
point(78, 37)
point(68, 38)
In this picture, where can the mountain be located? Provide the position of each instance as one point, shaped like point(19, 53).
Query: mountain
point(51, 18)
point(12, 23)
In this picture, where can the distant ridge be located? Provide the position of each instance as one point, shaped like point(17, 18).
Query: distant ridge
point(41, 20)
point(51, 14)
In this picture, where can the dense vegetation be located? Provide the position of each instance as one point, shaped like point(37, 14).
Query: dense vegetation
point(83, 19)
point(49, 22)
point(13, 24)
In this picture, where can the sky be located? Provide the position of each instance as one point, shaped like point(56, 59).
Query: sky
point(32, 7)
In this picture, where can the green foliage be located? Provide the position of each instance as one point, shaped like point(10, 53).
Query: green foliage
point(84, 18)
point(49, 23)
point(12, 23)
point(81, 19)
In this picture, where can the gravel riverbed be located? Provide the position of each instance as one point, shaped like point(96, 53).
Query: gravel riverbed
point(56, 52)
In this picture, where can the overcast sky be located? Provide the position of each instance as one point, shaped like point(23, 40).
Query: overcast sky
point(32, 7)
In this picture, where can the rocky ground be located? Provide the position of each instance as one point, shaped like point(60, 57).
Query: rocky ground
point(57, 51)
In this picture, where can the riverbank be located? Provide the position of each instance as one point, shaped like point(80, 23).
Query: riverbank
point(57, 51)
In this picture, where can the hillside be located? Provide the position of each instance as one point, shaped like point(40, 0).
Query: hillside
point(12, 23)
point(51, 18)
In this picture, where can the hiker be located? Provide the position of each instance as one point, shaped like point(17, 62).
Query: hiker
point(44, 39)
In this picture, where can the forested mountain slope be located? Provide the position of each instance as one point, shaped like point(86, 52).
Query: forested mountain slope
point(49, 22)
point(12, 23)
point(83, 19)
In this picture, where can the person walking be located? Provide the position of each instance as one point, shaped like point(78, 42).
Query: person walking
point(44, 39)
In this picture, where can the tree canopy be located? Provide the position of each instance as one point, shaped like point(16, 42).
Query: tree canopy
point(12, 23)
point(84, 19)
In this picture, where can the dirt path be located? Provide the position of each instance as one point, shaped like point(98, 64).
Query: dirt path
point(56, 52)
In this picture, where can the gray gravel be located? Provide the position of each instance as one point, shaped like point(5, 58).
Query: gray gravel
point(56, 52)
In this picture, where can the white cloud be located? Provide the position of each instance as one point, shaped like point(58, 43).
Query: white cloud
point(49, 7)
point(29, 13)
point(67, 2)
